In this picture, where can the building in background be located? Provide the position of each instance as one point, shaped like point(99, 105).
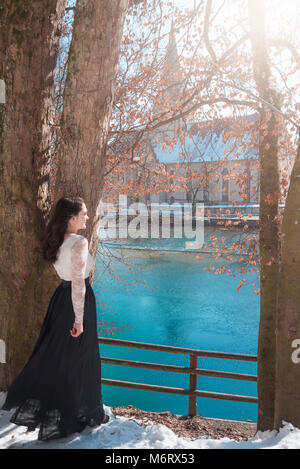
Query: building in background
point(218, 169)
point(213, 165)
point(218, 160)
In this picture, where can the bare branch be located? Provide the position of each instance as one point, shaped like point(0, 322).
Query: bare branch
point(205, 33)
point(285, 43)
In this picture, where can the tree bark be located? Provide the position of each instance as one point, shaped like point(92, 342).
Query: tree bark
point(268, 222)
point(29, 35)
point(87, 104)
point(28, 47)
point(287, 395)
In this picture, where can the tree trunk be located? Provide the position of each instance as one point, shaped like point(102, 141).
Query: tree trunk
point(287, 396)
point(268, 223)
point(29, 40)
point(87, 104)
point(29, 34)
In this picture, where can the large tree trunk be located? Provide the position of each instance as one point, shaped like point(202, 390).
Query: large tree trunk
point(29, 34)
point(28, 49)
point(268, 222)
point(287, 396)
point(87, 104)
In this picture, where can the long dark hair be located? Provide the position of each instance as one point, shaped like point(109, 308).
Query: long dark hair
point(65, 208)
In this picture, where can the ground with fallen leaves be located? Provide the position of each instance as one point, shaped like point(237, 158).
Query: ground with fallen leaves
point(190, 427)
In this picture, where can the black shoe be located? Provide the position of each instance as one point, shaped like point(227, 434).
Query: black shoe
point(31, 428)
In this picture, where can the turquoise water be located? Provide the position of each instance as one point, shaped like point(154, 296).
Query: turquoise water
point(169, 298)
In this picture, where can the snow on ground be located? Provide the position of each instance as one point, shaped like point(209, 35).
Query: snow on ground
point(127, 433)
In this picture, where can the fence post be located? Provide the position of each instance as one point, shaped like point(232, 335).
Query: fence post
point(193, 386)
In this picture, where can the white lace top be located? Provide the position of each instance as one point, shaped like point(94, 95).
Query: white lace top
point(74, 263)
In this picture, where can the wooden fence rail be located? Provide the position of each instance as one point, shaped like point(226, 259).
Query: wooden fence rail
point(192, 370)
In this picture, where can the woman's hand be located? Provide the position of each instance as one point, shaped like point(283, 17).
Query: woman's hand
point(76, 330)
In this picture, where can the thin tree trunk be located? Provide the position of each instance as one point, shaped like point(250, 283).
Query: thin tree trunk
point(87, 104)
point(269, 228)
point(287, 396)
point(29, 34)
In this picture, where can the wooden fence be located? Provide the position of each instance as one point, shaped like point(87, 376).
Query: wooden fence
point(192, 370)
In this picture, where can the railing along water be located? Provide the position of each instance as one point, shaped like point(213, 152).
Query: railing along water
point(192, 370)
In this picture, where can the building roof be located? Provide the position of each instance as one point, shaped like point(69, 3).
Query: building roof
point(210, 141)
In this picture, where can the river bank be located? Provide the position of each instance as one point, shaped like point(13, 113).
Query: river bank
point(190, 427)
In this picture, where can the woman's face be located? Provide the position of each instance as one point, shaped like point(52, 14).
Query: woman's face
point(79, 221)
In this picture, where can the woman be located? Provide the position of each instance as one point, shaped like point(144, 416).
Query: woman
point(60, 386)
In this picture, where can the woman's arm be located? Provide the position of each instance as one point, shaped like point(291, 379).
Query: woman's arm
point(79, 256)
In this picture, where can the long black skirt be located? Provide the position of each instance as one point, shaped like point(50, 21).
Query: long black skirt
point(60, 386)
